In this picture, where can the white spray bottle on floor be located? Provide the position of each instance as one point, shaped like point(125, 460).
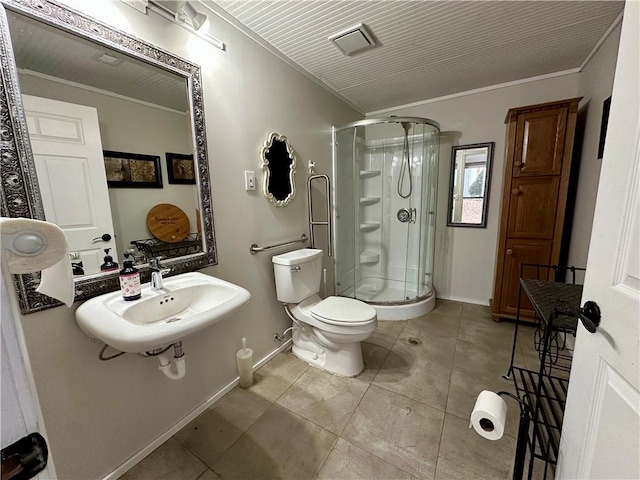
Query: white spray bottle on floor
point(244, 356)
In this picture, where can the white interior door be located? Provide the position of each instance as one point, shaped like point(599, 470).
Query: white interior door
point(600, 436)
point(67, 149)
point(21, 414)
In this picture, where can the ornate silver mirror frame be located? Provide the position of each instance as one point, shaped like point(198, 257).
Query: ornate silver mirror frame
point(278, 169)
point(20, 194)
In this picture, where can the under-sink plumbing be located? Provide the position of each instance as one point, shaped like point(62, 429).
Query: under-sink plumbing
point(174, 368)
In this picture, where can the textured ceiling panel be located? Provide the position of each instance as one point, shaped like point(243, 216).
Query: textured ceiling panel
point(428, 48)
point(46, 50)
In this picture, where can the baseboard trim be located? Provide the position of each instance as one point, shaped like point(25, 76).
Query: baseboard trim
point(455, 298)
point(138, 457)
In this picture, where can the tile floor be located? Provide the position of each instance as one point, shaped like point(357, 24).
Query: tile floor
point(406, 416)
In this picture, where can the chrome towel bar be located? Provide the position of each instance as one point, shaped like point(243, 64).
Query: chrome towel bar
point(255, 248)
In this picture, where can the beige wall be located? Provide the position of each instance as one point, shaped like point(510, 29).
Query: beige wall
point(99, 414)
point(132, 127)
point(465, 257)
point(596, 84)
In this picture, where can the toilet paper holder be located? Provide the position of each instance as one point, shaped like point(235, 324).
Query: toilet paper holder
point(523, 433)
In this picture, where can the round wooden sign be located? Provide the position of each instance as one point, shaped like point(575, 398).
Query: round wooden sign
point(168, 223)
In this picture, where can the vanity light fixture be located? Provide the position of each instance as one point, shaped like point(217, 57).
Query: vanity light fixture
point(140, 5)
point(186, 11)
point(182, 13)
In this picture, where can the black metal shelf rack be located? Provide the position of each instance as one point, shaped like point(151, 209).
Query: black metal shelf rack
point(545, 391)
point(152, 247)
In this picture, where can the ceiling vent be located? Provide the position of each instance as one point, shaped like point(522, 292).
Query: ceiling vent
point(354, 40)
point(106, 58)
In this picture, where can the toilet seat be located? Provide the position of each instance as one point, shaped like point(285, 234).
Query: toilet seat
point(343, 311)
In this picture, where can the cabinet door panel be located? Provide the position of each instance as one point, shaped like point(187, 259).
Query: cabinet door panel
point(517, 252)
point(540, 142)
point(532, 208)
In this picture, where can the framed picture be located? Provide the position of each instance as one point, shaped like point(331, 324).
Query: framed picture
point(132, 170)
point(606, 106)
point(181, 169)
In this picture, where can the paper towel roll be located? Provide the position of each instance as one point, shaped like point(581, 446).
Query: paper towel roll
point(37, 246)
point(489, 415)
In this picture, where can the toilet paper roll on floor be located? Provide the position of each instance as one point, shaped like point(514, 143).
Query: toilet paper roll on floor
point(489, 415)
point(36, 246)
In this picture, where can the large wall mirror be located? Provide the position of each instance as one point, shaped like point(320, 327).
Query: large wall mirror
point(73, 88)
point(278, 170)
point(469, 185)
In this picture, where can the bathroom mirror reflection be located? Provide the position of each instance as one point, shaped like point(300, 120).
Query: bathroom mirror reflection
point(469, 185)
point(278, 170)
point(77, 88)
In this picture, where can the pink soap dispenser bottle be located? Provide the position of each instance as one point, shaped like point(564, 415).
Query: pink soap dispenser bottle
point(130, 281)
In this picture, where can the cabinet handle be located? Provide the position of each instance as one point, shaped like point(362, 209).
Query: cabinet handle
point(509, 251)
point(516, 191)
point(517, 163)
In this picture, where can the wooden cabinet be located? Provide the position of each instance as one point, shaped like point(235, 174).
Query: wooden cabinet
point(538, 153)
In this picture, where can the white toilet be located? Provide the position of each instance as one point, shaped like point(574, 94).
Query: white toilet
point(327, 333)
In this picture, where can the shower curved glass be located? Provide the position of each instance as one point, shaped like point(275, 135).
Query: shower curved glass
point(384, 203)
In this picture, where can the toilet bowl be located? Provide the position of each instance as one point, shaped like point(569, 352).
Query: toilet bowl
point(327, 333)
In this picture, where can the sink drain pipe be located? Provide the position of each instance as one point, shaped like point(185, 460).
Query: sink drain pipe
point(175, 369)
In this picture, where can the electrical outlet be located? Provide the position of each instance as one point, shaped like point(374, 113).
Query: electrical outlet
point(249, 180)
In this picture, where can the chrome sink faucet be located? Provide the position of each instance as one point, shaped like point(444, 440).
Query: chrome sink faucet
point(157, 271)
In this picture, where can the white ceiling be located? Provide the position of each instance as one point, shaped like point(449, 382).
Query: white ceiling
point(428, 49)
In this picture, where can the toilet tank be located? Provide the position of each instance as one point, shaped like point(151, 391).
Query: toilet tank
point(297, 274)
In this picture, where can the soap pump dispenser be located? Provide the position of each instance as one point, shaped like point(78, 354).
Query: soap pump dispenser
point(109, 264)
point(130, 280)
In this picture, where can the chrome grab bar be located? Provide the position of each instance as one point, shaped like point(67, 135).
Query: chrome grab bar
point(255, 248)
point(312, 222)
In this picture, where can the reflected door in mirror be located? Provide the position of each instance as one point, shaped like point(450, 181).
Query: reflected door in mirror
point(469, 185)
point(67, 149)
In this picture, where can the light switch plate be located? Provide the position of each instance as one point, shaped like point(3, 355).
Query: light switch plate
point(249, 180)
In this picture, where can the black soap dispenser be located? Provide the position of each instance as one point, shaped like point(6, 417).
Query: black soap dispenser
point(130, 280)
point(108, 264)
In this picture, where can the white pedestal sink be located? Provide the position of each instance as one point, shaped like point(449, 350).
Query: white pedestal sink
point(188, 303)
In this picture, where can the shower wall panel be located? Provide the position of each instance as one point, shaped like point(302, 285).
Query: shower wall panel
point(387, 260)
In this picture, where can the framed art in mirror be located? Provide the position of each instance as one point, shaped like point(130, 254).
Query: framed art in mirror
point(469, 185)
point(21, 195)
point(180, 169)
point(278, 169)
point(132, 170)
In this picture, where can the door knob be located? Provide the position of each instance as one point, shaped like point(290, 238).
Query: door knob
point(517, 163)
point(589, 315)
point(105, 237)
point(515, 191)
point(509, 251)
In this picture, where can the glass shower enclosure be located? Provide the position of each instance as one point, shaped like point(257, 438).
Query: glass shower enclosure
point(385, 174)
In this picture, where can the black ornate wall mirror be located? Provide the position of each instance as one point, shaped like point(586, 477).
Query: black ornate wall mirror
point(469, 185)
point(39, 43)
point(278, 169)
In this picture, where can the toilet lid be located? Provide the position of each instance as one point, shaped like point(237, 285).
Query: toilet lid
point(343, 310)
